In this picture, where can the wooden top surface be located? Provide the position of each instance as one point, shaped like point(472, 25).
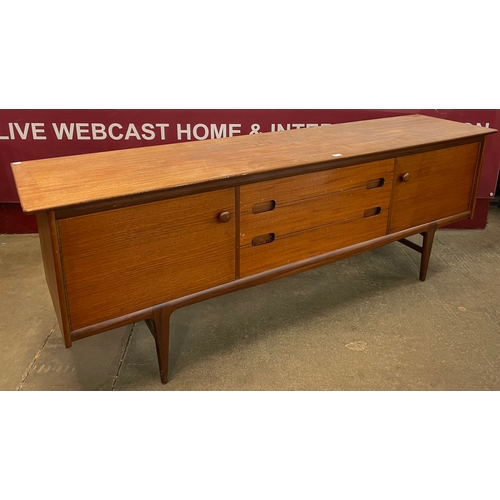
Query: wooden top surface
point(72, 180)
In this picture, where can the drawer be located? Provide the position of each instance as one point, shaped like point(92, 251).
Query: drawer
point(291, 217)
point(293, 247)
point(305, 186)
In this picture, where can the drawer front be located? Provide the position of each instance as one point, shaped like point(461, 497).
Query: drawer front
point(285, 218)
point(304, 186)
point(315, 241)
point(291, 219)
point(433, 185)
point(120, 261)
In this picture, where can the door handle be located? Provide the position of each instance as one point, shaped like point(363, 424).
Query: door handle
point(225, 216)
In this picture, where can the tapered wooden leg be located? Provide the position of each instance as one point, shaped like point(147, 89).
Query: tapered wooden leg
point(426, 250)
point(159, 325)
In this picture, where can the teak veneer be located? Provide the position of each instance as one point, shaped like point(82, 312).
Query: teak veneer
point(134, 234)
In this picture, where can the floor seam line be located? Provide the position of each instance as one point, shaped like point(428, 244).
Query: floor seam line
point(120, 364)
point(35, 358)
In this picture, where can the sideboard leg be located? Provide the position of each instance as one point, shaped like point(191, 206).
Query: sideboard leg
point(426, 250)
point(159, 325)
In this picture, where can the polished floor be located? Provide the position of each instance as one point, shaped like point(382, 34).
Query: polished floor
point(364, 323)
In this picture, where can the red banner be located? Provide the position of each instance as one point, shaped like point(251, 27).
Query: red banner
point(34, 134)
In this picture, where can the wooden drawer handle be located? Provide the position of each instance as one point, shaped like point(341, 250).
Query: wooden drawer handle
point(375, 183)
point(265, 206)
point(405, 177)
point(370, 212)
point(225, 216)
point(263, 239)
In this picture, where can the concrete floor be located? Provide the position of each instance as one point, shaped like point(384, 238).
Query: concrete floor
point(364, 323)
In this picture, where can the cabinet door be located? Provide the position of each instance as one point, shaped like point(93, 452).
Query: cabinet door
point(124, 260)
point(433, 185)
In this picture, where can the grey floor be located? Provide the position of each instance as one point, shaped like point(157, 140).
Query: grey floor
point(364, 323)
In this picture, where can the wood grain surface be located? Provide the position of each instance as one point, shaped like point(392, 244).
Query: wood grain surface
point(51, 257)
point(312, 212)
point(303, 186)
point(305, 244)
point(125, 260)
point(62, 182)
point(439, 184)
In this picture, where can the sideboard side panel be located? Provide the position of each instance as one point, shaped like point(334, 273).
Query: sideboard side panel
point(53, 271)
point(477, 177)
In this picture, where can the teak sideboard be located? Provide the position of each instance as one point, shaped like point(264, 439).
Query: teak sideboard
point(134, 234)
